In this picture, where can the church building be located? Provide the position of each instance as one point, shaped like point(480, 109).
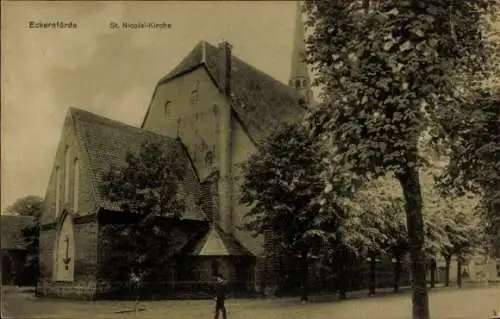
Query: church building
point(212, 110)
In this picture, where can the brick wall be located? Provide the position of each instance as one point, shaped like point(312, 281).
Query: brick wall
point(85, 226)
point(84, 284)
point(86, 200)
point(181, 232)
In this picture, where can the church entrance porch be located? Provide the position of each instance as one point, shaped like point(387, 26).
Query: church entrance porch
point(211, 252)
point(196, 275)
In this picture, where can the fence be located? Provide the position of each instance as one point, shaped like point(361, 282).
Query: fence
point(176, 289)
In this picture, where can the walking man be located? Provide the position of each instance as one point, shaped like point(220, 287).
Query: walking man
point(220, 290)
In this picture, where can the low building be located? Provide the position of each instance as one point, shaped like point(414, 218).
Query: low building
point(14, 251)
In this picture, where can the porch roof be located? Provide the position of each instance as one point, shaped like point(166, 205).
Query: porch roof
point(217, 243)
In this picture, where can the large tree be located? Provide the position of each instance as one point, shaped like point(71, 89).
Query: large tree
point(146, 188)
point(281, 183)
point(381, 225)
point(382, 66)
point(30, 205)
point(473, 131)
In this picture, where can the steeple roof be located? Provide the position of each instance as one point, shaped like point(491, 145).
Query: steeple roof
point(298, 66)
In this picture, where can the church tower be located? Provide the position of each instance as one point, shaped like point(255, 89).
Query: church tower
point(299, 74)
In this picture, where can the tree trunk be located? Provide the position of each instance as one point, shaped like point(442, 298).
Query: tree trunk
point(305, 278)
point(447, 260)
point(410, 183)
point(433, 273)
point(397, 273)
point(373, 269)
point(342, 283)
point(459, 271)
point(342, 274)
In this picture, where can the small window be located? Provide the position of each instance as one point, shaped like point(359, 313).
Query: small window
point(194, 94)
point(209, 158)
point(302, 56)
point(302, 102)
point(194, 98)
point(166, 108)
point(297, 83)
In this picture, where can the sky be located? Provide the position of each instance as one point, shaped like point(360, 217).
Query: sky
point(108, 71)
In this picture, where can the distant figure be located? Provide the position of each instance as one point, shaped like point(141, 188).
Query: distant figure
point(220, 297)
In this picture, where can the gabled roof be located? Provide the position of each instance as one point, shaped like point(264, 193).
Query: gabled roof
point(12, 231)
point(107, 142)
point(259, 101)
point(216, 243)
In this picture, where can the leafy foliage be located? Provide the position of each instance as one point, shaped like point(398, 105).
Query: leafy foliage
point(382, 202)
point(281, 182)
point(453, 222)
point(30, 205)
point(27, 206)
point(147, 189)
point(384, 68)
point(474, 137)
point(148, 185)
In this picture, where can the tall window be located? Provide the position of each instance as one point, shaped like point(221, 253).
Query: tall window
point(166, 108)
point(76, 180)
point(209, 158)
point(66, 175)
point(58, 190)
point(179, 127)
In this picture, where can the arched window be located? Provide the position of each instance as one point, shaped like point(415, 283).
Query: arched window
point(66, 175)
point(194, 94)
point(166, 108)
point(209, 158)
point(194, 98)
point(297, 83)
point(58, 190)
point(76, 181)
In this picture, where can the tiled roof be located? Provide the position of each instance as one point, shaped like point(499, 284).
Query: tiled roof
point(259, 100)
point(107, 142)
point(217, 243)
point(12, 231)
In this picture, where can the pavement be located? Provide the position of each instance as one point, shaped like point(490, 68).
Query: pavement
point(445, 303)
